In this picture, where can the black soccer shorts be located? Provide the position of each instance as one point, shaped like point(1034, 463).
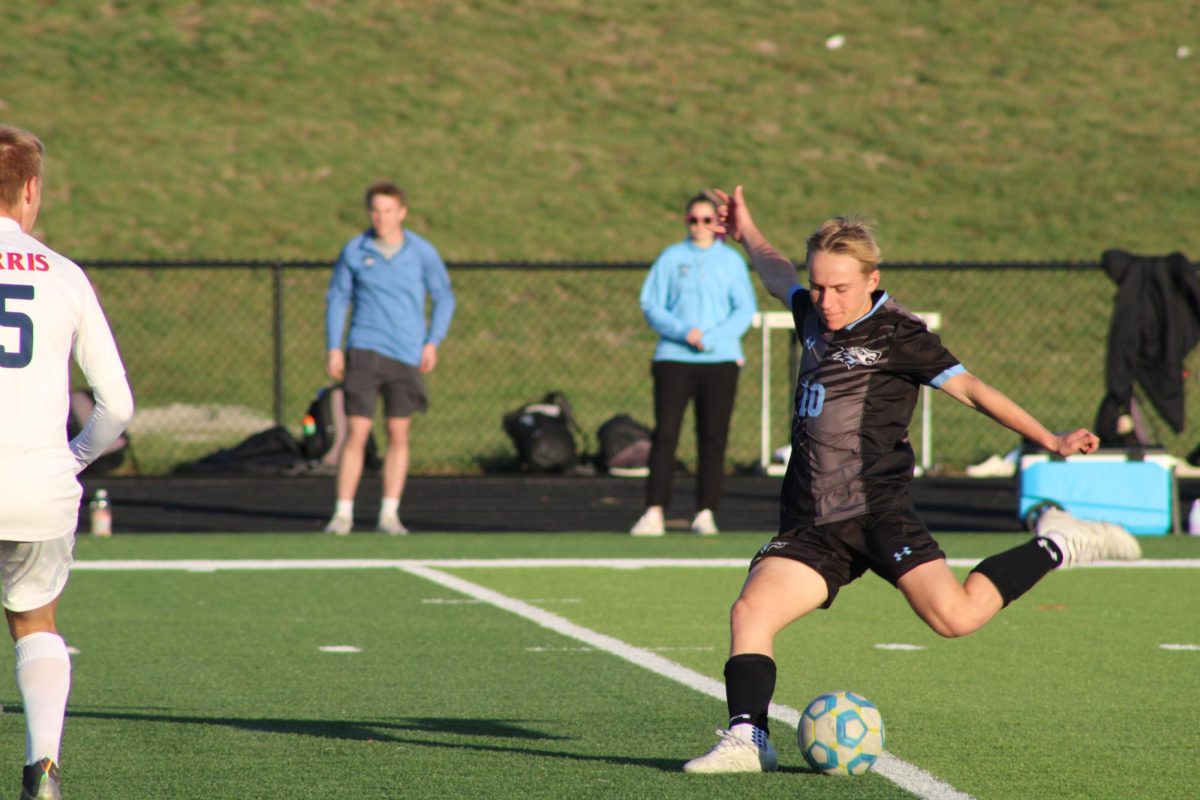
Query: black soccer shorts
point(888, 543)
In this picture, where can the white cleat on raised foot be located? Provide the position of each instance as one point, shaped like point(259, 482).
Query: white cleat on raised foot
point(737, 751)
point(1084, 541)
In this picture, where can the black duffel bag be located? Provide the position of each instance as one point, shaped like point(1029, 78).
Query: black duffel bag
point(623, 442)
point(544, 434)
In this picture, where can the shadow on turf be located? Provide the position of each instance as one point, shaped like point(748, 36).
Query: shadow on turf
point(388, 730)
point(376, 730)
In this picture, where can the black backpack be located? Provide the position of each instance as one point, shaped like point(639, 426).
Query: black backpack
point(325, 428)
point(271, 452)
point(544, 434)
point(623, 442)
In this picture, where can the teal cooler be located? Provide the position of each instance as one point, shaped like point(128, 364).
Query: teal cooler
point(1135, 489)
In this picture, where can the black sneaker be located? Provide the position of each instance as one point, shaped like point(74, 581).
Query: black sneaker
point(40, 781)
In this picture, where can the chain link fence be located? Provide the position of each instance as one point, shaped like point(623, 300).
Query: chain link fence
point(219, 350)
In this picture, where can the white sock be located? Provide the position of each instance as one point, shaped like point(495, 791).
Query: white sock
point(748, 732)
point(44, 680)
point(344, 508)
point(389, 507)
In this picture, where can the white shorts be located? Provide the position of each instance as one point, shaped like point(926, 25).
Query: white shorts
point(34, 573)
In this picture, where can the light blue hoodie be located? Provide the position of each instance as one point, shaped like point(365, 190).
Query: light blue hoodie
point(388, 295)
point(694, 287)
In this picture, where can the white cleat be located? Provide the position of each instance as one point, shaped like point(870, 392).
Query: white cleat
point(1086, 541)
point(391, 525)
point(340, 526)
point(650, 524)
point(737, 752)
point(704, 524)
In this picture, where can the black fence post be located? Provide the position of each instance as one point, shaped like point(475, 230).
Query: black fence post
point(277, 336)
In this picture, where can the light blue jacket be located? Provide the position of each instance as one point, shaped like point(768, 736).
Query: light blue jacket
point(706, 288)
point(388, 295)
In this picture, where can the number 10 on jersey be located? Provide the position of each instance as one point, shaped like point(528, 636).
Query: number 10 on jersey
point(810, 398)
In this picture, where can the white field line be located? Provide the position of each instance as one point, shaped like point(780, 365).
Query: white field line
point(213, 565)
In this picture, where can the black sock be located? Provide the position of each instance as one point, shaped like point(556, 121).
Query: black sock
point(1014, 572)
point(749, 684)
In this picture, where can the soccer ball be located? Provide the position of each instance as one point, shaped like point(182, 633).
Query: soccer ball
point(841, 733)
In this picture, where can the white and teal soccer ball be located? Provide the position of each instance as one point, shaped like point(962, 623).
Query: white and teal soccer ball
point(841, 733)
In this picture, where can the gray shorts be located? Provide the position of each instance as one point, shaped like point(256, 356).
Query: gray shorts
point(369, 374)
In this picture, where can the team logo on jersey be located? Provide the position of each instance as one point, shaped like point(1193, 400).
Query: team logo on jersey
point(810, 342)
point(769, 546)
point(857, 356)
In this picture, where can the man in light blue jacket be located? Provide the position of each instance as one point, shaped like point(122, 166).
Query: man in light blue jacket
point(386, 273)
point(699, 300)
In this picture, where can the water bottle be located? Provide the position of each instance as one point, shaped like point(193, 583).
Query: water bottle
point(308, 443)
point(1194, 519)
point(101, 513)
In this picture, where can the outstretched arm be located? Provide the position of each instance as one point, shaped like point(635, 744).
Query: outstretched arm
point(974, 393)
point(778, 274)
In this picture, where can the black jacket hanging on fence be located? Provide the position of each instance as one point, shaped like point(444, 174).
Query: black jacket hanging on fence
point(1155, 324)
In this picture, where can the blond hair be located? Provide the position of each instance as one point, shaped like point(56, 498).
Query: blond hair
point(850, 236)
point(21, 155)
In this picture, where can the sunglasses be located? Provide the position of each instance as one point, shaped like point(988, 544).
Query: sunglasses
point(694, 220)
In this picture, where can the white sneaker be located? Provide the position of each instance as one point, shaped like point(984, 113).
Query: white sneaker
point(1085, 541)
point(650, 524)
point(704, 524)
point(339, 525)
point(391, 525)
point(737, 752)
point(995, 466)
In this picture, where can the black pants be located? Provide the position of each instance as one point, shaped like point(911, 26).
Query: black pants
point(713, 386)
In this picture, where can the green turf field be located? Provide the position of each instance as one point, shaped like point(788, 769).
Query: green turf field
point(196, 678)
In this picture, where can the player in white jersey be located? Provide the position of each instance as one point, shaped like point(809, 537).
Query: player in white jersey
point(48, 314)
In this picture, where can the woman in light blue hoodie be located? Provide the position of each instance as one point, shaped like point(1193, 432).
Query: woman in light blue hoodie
point(699, 299)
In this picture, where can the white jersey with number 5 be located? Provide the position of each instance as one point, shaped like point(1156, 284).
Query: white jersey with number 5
point(48, 313)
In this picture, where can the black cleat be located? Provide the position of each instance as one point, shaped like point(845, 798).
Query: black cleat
point(40, 781)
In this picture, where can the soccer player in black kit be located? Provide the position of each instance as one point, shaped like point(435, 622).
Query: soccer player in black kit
point(844, 507)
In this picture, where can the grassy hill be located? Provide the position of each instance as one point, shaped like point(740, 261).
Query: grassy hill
point(572, 130)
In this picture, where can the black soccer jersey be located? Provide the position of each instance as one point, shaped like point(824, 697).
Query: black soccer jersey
point(855, 397)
